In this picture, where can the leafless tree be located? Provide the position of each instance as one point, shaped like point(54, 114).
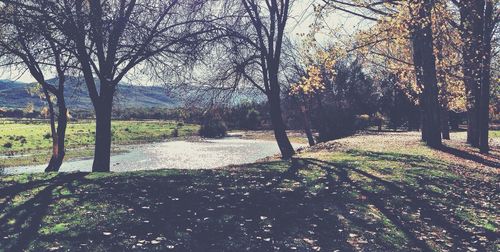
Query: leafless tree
point(251, 54)
point(110, 38)
point(31, 45)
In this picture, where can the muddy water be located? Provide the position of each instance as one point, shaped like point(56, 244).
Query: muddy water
point(205, 154)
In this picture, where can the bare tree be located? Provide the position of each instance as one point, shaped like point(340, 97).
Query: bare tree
point(110, 38)
point(30, 45)
point(255, 33)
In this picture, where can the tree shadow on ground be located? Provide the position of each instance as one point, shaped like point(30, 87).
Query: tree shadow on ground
point(303, 205)
point(21, 220)
point(495, 163)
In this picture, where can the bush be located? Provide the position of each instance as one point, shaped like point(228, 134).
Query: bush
point(175, 132)
point(8, 145)
point(213, 128)
point(362, 122)
point(23, 140)
point(336, 125)
point(252, 120)
point(47, 136)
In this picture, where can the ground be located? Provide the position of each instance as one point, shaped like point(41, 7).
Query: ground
point(370, 192)
point(28, 142)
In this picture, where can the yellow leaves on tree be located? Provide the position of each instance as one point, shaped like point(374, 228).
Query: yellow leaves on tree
point(387, 45)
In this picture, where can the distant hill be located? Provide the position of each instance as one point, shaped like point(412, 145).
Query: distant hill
point(15, 95)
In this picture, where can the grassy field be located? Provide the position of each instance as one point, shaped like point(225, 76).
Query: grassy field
point(376, 192)
point(30, 142)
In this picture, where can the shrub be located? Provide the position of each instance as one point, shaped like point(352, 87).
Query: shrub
point(362, 122)
point(8, 145)
point(47, 136)
point(175, 132)
point(213, 128)
point(336, 125)
point(23, 140)
point(252, 120)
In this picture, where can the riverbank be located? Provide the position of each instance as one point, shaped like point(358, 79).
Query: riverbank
point(369, 192)
point(29, 143)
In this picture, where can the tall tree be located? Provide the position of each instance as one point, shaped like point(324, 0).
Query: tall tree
point(478, 20)
point(31, 45)
point(425, 69)
point(257, 34)
point(110, 38)
point(490, 20)
point(397, 21)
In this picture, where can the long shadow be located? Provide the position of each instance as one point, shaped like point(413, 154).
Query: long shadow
point(221, 215)
point(375, 200)
point(470, 156)
point(256, 210)
point(20, 224)
point(427, 210)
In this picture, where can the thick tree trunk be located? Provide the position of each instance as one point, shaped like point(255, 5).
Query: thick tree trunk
point(103, 110)
point(445, 123)
point(425, 68)
point(307, 125)
point(279, 127)
point(485, 80)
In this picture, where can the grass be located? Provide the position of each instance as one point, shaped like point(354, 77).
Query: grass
point(33, 141)
point(399, 197)
point(494, 133)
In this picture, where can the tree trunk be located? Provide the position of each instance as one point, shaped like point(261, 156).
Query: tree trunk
point(484, 101)
point(454, 119)
point(279, 127)
point(445, 123)
point(59, 150)
point(102, 152)
point(471, 13)
point(307, 125)
point(425, 68)
point(55, 142)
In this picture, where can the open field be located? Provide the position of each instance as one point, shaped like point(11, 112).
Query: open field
point(370, 192)
point(30, 142)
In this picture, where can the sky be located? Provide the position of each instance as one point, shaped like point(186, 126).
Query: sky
point(301, 18)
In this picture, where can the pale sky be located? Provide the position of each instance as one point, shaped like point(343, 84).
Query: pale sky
point(302, 16)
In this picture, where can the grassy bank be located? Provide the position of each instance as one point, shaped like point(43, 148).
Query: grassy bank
point(30, 142)
point(371, 192)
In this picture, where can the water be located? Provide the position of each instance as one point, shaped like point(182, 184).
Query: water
point(206, 154)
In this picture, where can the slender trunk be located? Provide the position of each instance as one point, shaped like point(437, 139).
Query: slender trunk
point(102, 151)
point(445, 123)
point(443, 91)
point(425, 68)
point(485, 80)
point(59, 153)
point(321, 125)
point(279, 127)
point(55, 143)
point(307, 125)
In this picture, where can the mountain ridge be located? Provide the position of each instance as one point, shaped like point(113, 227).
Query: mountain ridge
point(15, 95)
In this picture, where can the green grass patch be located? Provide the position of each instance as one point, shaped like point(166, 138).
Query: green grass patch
point(31, 142)
point(353, 200)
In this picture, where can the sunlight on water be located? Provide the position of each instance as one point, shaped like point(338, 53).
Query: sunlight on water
point(176, 155)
